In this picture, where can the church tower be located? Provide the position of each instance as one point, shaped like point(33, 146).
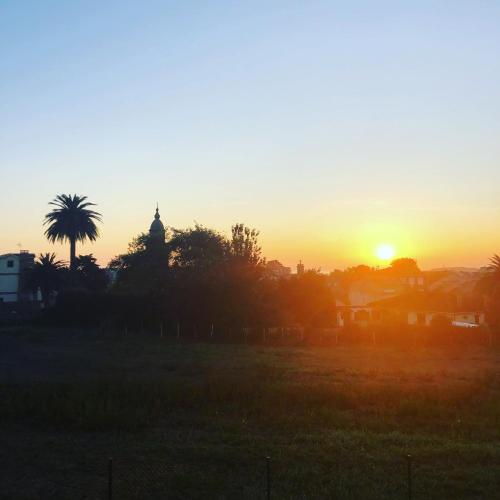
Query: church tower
point(300, 268)
point(157, 229)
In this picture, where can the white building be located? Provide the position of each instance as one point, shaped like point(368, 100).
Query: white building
point(12, 266)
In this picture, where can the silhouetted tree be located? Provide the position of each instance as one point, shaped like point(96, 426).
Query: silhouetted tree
point(308, 299)
point(244, 244)
point(197, 248)
point(90, 275)
point(197, 257)
point(495, 265)
point(47, 275)
point(243, 279)
point(404, 266)
point(360, 271)
point(489, 287)
point(73, 221)
point(206, 279)
point(143, 269)
point(342, 280)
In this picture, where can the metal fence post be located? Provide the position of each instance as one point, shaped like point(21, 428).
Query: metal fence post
point(110, 478)
point(409, 464)
point(268, 478)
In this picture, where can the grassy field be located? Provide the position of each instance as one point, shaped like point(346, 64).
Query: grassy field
point(196, 420)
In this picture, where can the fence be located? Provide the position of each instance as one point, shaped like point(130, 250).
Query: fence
point(413, 336)
point(123, 479)
point(150, 480)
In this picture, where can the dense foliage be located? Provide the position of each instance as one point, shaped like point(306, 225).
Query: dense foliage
point(199, 278)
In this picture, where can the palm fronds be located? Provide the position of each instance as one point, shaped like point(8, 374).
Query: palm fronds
point(71, 219)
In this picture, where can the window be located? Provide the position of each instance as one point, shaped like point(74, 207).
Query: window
point(420, 319)
point(10, 263)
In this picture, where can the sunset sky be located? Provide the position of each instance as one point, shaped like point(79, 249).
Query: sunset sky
point(333, 127)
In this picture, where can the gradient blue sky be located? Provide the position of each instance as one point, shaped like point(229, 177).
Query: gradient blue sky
point(330, 126)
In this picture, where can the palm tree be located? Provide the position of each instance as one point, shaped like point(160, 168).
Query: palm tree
point(495, 264)
point(46, 275)
point(489, 287)
point(73, 221)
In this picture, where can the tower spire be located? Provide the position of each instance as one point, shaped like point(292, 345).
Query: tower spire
point(157, 229)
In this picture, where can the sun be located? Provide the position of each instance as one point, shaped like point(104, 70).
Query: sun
point(385, 252)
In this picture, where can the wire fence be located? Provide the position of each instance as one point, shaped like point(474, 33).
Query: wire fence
point(123, 479)
point(265, 478)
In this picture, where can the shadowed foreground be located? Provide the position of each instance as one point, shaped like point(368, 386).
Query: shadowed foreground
point(198, 420)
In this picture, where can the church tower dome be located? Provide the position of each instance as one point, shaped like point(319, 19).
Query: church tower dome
point(157, 229)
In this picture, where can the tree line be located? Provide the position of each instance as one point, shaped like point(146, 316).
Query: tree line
point(195, 278)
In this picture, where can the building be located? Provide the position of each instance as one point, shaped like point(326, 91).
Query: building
point(380, 286)
point(12, 268)
point(462, 284)
point(157, 229)
point(300, 268)
point(423, 308)
point(155, 243)
point(414, 308)
point(463, 319)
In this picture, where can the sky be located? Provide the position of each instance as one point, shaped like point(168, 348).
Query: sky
point(332, 127)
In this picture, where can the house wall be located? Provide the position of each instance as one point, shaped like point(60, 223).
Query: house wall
point(415, 282)
point(364, 316)
point(9, 277)
point(425, 318)
point(361, 316)
point(12, 266)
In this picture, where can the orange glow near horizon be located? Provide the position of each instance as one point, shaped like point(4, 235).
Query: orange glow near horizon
point(321, 242)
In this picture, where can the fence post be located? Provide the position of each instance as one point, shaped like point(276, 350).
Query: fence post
point(268, 478)
point(110, 478)
point(409, 465)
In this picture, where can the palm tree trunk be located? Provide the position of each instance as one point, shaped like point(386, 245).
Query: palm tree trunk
point(72, 254)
